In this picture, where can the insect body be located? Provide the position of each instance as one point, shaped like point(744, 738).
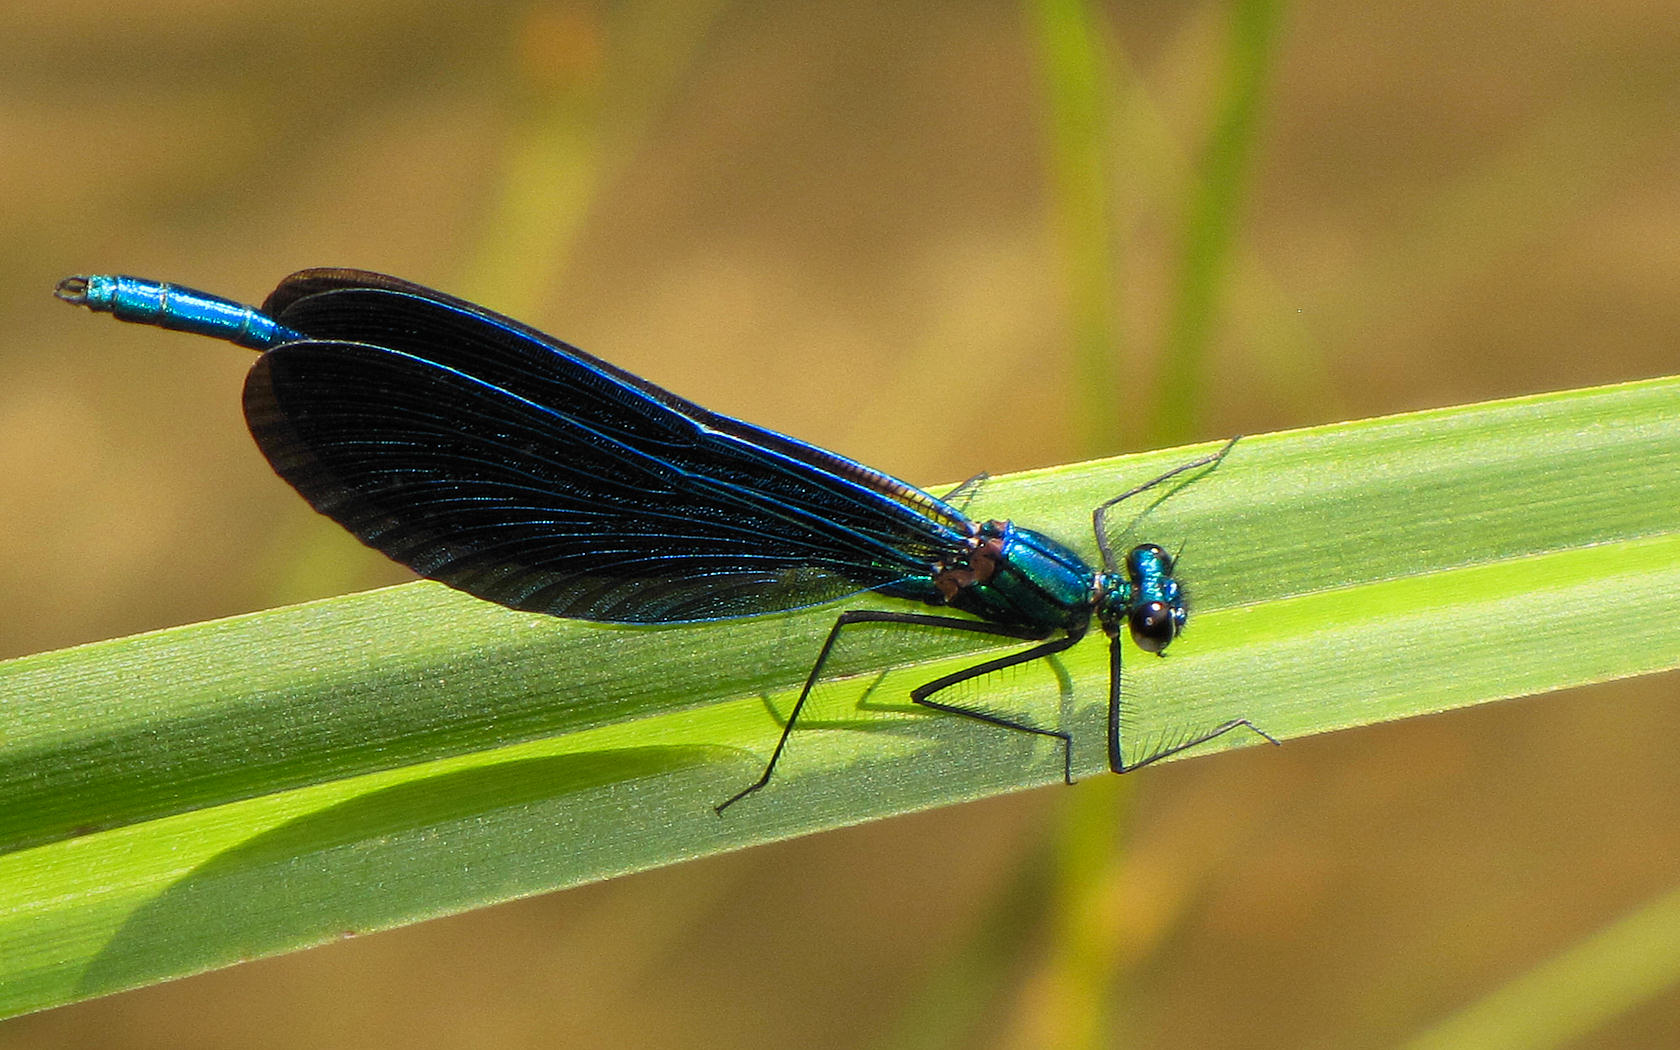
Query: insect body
point(501, 461)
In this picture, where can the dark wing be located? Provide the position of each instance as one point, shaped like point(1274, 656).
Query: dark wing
point(489, 456)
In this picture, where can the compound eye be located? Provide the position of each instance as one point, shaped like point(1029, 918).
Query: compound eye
point(1153, 626)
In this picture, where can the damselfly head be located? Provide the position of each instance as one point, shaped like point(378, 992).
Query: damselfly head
point(1148, 600)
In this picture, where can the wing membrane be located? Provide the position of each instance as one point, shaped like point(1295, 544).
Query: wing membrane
point(500, 461)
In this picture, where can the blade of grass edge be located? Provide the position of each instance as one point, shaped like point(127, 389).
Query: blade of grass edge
point(187, 799)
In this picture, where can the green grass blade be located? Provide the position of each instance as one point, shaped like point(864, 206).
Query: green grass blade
point(1629, 962)
point(1080, 87)
point(1212, 213)
point(190, 798)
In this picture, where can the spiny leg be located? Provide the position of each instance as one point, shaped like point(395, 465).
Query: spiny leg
point(850, 617)
point(1099, 516)
point(1196, 741)
point(1117, 760)
point(921, 693)
point(961, 496)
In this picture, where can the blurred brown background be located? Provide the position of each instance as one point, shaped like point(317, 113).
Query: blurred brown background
point(841, 221)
